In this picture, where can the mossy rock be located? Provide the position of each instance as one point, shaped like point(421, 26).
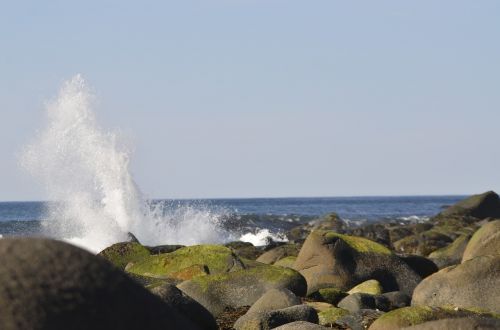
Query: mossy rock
point(278, 253)
point(423, 243)
point(286, 262)
point(329, 259)
point(328, 317)
point(120, 254)
point(243, 287)
point(479, 206)
point(188, 262)
point(409, 316)
point(244, 249)
point(485, 241)
point(452, 253)
point(319, 306)
point(371, 287)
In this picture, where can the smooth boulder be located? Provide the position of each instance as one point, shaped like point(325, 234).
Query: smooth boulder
point(47, 284)
point(485, 241)
point(329, 259)
point(472, 284)
point(462, 323)
point(275, 318)
point(275, 299)
point(481, 206)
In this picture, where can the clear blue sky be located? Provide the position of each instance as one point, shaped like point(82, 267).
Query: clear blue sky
point(242, 98)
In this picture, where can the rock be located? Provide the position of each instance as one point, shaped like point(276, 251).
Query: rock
point(275, 299)
point(242, 288)
point(244, 249)
point(329, 295)
point(360, 320)
point(486, 240)
point(479, 206)
point(357, 301)
point(280, 252)
point(273, 319)
point(472, 284)
point(420, 265)
point(159, 249)
point(300, 325)
point(331, 315)
point(330, 222)
point(423, 243)
point(462, 323)
point(286, 262)
point(395, 300)
point(451, 254)
point(371, 287)
point(120, 254)
point(329, 259)
point(185, 305)
point(47, 284)
point(409, 316)
point(376, 232)
point(188, 262)
point(131, 238)
point(319, 306)
point(399, 232)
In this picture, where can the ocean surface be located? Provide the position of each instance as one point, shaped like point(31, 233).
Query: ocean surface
point(248, 219)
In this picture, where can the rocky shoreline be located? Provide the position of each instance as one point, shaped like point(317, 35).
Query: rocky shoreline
point(444, 273)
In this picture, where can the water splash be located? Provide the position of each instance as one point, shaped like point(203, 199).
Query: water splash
point(86, 170)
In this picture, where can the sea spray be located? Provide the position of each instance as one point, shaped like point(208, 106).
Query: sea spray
point(85, 170)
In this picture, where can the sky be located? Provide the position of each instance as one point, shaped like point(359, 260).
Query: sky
point(266, 98)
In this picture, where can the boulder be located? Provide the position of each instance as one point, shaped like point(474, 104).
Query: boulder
point(319, 306)
point(329, 259)
point(478, 206)
point(278, 253)
point(359, 320)
point(331, 315)
point(420, 265)
point(286, 262)
point(452, 253)
point(371, 287)
point(275, 299)
point(423, 243)
point(242, 288)
point(244, 249)
point(329, 295)
point(185, 305)
point(301, 325)
point(357, 301)
point(486, 240)
point(188, 262)
point(159, 249)
point(409, 316)
point(47, 284)
point(462, 323)
point(395, 300)
point(273, 319)
point(377, 232)
point(120, 254)
point(472, 284)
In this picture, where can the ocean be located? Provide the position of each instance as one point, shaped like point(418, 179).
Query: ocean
point(250, 219)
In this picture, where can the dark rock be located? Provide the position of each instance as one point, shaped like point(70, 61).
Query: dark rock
point(185, 305)
point(423, 243)
point(244, 249)
point(47, 284)
point(229, 316)
point(452, 253)
point(478, 206)
point(301, 325)
point(131, 238)
point(159, 249)
point(275, 299)
point(360, 320)
point(376, 232)
point(329, 295)
point(472, 284)
point(395, 299)
point(273, 319)
point(120, 254)
point(329, 259)
point(420, 265)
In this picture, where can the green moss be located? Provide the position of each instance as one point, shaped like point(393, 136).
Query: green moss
point(328, 317)
point(286, 262)
point(360, 244)
point(451, 249)
point(120, 254)
point(329, 295)
point(212, 259)
point(370, 287)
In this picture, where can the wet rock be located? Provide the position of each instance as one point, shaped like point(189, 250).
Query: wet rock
point(242, 288)
point(485, 241)
point(329, 259)
point(47, 284)
point(185, 305)
point(472, 284)
point(273, 319)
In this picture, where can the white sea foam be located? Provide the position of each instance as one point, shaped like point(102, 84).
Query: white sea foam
point(261, 236)
point(87, 169)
